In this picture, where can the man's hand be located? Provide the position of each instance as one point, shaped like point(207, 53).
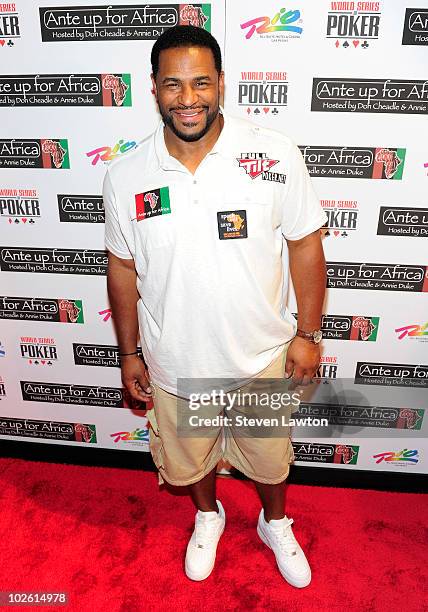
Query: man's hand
point(303, 358)
point(308, 273)
point(136, 378)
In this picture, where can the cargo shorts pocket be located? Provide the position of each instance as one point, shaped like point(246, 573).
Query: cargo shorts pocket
point(291, 455)
point(155, 441)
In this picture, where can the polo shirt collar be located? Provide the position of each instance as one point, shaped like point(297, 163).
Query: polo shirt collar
point(222, 146)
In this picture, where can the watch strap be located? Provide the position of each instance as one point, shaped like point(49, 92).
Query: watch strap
point(308, 335)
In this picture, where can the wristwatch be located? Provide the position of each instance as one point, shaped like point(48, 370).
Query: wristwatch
point(314, 337)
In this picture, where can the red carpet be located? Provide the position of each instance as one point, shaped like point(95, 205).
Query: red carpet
point(115, 542)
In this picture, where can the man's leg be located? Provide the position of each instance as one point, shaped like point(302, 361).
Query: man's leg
point(203, 492)
point(267, 462)
point(181, 461)
point(209, 525)
point(272, 498)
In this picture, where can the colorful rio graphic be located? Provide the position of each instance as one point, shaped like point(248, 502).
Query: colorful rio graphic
point(403, 456)
point(282, 22)
point(412, 331)
point(106, 154)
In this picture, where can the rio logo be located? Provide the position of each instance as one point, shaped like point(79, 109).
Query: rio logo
point(106, 314)
point(413, 331)
point(107, 154)
point(405, 455)
point(282, 22)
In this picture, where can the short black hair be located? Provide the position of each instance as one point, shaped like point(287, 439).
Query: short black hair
point(185, 36)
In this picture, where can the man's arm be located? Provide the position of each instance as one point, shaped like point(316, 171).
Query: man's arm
point(123, 296)
point(308, 273)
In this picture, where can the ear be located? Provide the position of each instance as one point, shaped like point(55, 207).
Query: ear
point(221, 87)
point(221, 81)
point(154, 90)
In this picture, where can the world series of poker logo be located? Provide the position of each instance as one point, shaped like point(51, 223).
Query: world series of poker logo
point(65, 90)
point(38, 351)
point(19, 206)
point(353, 25)
point(10, 31)
point(356, 162)
point(263, 93)
point(342, 217)
point(327, 369)
point(369, 96)
point(119, 22)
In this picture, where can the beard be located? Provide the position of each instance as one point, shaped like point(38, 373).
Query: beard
point(168, 121)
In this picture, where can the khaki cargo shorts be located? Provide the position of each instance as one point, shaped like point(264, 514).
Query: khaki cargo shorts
point(185, 460)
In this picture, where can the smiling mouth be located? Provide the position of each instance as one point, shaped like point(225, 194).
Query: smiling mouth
point(188, 114)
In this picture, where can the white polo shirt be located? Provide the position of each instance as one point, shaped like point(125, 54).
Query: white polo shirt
point(208, 249)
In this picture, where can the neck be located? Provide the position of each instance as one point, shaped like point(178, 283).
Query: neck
point(193, 152)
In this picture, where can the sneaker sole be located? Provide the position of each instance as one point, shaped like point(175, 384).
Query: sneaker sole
point(204, 576)
point(300, 584)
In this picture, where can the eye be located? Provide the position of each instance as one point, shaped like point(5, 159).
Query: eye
point(202, 83)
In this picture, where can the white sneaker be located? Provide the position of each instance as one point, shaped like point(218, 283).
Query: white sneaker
point(202, 546)
point(290, 558)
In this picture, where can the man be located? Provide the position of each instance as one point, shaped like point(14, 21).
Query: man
point(196, 218)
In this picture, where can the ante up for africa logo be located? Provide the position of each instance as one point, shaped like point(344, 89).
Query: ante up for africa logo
point(55, 152)
point(198, 15)
point(116, 90)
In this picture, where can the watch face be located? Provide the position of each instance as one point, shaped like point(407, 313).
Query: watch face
point(317, 336)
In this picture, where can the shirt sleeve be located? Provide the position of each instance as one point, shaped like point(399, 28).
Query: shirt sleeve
point(302, 212)
point(115, 241)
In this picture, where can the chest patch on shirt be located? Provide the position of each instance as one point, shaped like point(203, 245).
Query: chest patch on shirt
point(256, 164)
point(232, 224)
point(152, 203)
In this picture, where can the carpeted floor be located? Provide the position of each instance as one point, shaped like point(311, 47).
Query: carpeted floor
point(115, 542)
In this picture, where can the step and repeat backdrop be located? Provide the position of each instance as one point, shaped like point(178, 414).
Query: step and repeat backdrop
point(345, 80)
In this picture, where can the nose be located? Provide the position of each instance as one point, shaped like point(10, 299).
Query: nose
point(188, 96)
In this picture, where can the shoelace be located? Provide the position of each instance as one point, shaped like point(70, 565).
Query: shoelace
point(285, 538)
point(205, 533)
